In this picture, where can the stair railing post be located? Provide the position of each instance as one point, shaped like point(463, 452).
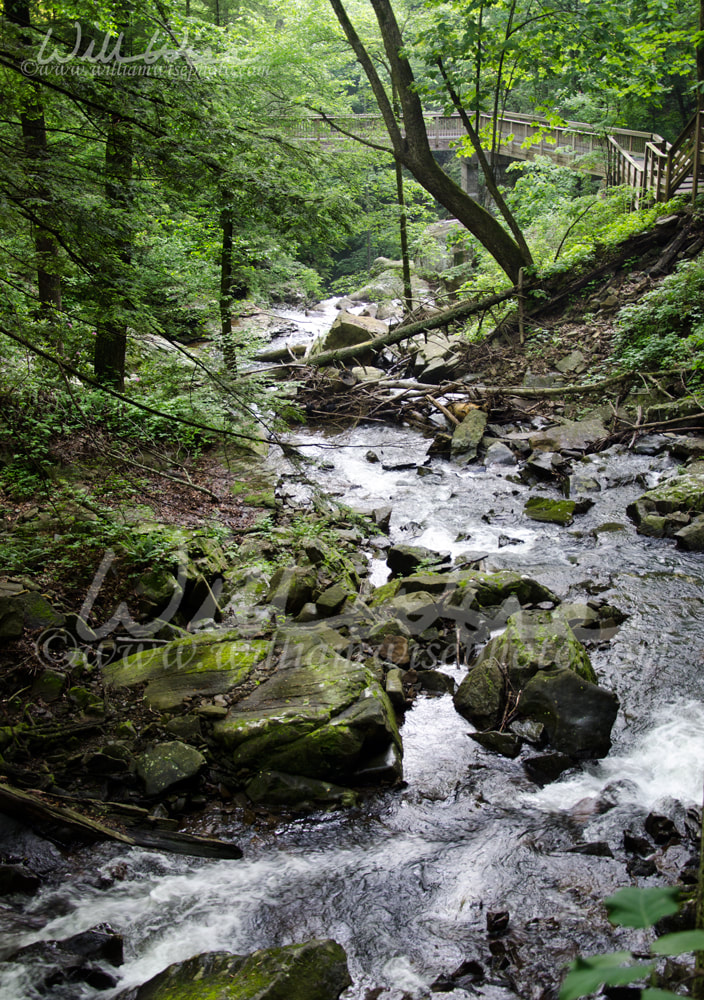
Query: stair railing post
point(697, 149)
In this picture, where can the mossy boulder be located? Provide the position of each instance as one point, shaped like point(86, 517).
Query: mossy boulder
point(466, 437)
point(315, 970)
point(540, 644)
point(683, 494)
point(168, 764)
point(550, 511)
point(292, 587)
point(320, 715)
point(21, 608)
point(691, 536)
point(404, 559)
point(489, 589)
point(206, 664)
point(332, 599)
point(299, 793)
point(464, 588)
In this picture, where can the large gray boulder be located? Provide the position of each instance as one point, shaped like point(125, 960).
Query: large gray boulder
point(349, 330)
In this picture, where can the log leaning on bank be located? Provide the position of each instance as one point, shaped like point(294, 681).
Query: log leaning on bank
point(63, 825)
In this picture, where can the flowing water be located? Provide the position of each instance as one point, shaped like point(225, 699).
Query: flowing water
point(406, 884)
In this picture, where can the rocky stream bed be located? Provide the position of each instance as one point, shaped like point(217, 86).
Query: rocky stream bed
point(475, 723)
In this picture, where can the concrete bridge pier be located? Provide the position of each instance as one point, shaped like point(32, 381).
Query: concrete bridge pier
point(472, 178)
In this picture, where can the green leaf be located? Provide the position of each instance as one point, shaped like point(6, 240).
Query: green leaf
point(633, 907)
point(587, 974)
point(679, 943)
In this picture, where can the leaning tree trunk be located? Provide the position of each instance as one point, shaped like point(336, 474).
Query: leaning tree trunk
point(413, 149)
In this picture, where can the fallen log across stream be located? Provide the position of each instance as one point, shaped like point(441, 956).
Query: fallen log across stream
point(395, 336)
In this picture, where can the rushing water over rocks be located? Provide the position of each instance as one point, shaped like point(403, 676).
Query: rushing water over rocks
point(411, 884)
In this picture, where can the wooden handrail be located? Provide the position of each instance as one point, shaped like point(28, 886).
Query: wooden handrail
point(643, 160)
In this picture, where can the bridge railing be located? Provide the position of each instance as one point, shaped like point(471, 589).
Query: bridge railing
point(642, 160)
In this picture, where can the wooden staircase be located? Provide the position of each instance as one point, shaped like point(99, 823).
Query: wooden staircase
point(663, 170)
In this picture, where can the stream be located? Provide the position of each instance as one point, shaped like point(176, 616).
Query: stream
point(407, 884)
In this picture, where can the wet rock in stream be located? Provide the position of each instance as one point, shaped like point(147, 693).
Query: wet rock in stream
point(316, 970)
point(538, 670)
point(78, 959)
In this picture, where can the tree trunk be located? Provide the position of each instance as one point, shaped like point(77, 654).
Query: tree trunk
point(413, 150)
point(485, 167)
point(36, 150)
point(490, 233)
point(403, 228)
point(226, 287)
point(111, 336)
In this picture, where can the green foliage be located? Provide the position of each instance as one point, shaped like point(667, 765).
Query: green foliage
point(666, 326)
point(588, 974)
point(632, 907)
point(66, 545)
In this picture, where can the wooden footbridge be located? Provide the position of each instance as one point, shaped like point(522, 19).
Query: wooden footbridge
point(644, 161)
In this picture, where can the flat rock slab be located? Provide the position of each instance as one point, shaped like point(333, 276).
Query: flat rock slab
point(570, 435)
point(550, 511)
point(206, 664)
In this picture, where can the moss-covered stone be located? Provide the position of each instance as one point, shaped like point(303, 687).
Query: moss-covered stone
point(20, 608)
point(550, 511)
point(49, 685)
point(384, 593)
point(316, 970)
point(297, 792)
point(39, 613)
point(533, 641)
point(292, 587)
point(482, 695)
point(331, 600)
point(466, 437)
point(691, 536)
point(206, 664)
point(683, 493)
point(168, 764)
point(489, 589)
point(319, 718)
